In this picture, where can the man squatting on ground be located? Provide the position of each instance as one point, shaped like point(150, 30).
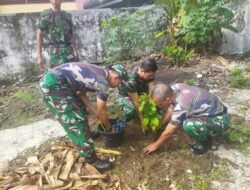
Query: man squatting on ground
point(140, 80)
point(64, 91)
point(56, 27)
point(196, 111)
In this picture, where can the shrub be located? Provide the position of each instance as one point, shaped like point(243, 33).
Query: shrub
point(195, 22)
point(200, 19)
point(236, 71)
point(177, 54)
point(130, 35)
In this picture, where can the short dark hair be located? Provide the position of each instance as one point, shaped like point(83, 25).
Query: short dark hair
point(149, 65)
point(161, 91)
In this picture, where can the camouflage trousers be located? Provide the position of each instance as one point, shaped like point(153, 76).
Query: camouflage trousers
point(126, 105)
point(60, 55)
point(200, 128)
point(69, 111)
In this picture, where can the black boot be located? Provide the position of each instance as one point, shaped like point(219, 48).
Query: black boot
point(201, 146)
point(101, 165)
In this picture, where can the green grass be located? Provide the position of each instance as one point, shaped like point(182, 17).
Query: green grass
point(183, 149)
point(238, 78)
point(200, 183)
point(195, 182)
point(34, 84)
point(191, 82)
point(239, 82)
point(25, 106)
point(200, 180)
point(236, 71)
point(239, 136)
point(2, 100)
point(118, 170)
point(220, 170)
point(25, 96)
point(247, 69)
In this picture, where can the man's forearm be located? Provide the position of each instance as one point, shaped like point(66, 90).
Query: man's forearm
point(135, 100)
point(39, 42)
point(167, 116)
point(166, 134)
point(101, 113)
point(139, 115)
point(103, 117)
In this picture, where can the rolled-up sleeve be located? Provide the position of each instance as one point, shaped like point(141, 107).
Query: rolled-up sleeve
point(43, 21)
point(102, 91)
point(131, 86)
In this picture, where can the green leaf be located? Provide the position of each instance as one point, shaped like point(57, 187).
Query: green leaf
point(158, 35)
point(104, 23)
point(146, 121)
point(141, 107)
point(155, 121)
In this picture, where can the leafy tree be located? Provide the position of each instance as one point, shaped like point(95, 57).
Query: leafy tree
point(201, 19)
point(175, 53)
point(193, 23)
point(172, 7)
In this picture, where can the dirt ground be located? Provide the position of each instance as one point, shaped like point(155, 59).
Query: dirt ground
point(20, 104)
point(172, 166)
point(173, 163)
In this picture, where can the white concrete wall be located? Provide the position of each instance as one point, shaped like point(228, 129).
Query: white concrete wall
point(237, 43)
point(18, 41)
point(18, 58)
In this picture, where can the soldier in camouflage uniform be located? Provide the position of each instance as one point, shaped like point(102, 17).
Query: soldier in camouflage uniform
point(199, 113)
point(56, 27)
point(139, 81)
point(64, 91)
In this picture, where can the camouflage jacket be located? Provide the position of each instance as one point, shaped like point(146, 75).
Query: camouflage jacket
point(78, 76)
point(194, 102)
point(57, 27)
point(133, 84)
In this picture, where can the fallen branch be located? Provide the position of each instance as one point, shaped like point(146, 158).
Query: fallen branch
point(93, 177)
point(105, 151)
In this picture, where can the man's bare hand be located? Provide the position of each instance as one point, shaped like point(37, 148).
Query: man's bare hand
point(150, 148)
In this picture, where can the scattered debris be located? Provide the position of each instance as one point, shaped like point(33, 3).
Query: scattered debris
point(142, 186)
point(132, 148)
point(61, 168)
point(188, 171)
point(165, 179)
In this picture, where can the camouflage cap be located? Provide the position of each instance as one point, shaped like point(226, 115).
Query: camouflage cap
point(120, 70)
